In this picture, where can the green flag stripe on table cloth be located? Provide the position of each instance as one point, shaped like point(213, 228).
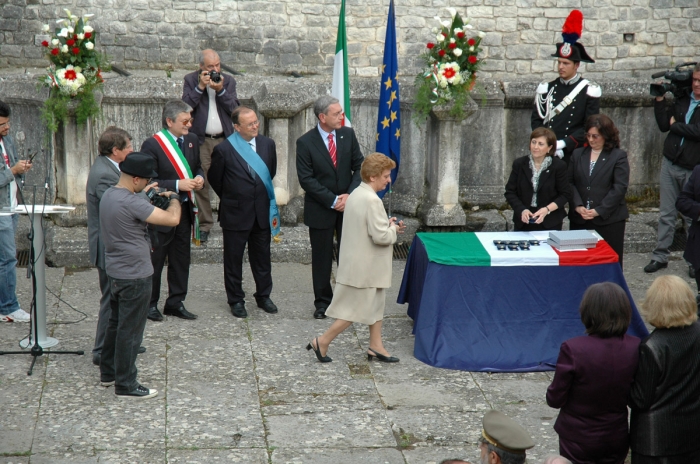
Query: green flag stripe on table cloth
point(455, 249)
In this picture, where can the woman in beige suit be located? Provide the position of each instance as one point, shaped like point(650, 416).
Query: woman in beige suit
point(365, 262)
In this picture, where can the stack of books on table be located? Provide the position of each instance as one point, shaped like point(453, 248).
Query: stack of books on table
point(566, 240)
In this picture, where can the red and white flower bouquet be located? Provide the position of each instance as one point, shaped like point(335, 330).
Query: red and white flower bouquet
point(75, 70)
point(451, 64)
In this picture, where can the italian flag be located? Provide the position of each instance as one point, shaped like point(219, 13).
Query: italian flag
point(477, 249)
point(341, 85)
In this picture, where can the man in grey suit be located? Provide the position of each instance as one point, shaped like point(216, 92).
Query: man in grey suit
point(114, 145)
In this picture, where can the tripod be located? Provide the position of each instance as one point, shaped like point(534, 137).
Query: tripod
point(36, 268)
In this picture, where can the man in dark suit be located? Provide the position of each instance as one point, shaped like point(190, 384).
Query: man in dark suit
point(113, 146)
point(166, 147)
point(244, 213)
point(328, 166)
point(213, 102)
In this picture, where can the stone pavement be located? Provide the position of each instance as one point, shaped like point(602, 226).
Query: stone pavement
point(247, 391)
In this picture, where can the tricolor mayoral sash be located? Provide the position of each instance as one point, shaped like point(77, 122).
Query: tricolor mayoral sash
point(260, 168)
point(182, 167)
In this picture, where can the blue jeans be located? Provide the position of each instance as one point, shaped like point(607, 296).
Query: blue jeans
point(129, 304)
point(8, 265)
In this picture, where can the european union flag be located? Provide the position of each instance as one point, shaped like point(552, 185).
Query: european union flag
point(389, 120)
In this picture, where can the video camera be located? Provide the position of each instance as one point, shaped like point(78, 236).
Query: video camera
point(156, 199)
point(681, 81)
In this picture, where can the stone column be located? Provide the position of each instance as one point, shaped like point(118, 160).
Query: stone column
point(282, 105)
point(443, 164)
point(75, 149)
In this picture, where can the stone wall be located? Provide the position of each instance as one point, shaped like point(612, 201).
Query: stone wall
point(280, 36)
point(487, 142)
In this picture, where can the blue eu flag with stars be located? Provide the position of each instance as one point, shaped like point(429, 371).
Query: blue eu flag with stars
point(389, 120)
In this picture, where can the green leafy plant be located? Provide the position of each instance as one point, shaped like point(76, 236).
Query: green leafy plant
point(75, 73)
point(451, 65)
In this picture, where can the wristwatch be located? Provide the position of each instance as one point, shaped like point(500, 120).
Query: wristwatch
point(174, 196)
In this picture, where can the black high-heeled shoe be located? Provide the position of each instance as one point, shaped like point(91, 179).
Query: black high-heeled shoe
point(317, 350)
point(381, 357)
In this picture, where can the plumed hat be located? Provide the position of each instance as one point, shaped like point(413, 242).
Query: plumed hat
point(571, 32)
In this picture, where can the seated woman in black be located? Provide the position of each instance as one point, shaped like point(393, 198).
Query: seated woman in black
point(538, 187)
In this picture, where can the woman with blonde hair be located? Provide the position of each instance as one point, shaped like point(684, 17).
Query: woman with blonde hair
point(364, 271)
point(665, 395)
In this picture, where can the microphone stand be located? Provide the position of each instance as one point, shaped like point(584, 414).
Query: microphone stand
point(36, 350)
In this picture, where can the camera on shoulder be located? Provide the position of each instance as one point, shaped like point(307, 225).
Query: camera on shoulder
point(156, 199)
point(681, 81)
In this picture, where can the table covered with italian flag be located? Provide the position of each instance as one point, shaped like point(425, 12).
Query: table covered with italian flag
point(477, 308)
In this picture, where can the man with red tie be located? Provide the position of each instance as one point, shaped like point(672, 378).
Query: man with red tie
point(328, 166)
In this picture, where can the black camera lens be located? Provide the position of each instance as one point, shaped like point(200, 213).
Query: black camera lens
point(513, 247)
point(215, 76)
point(501, 246)
point(535, 242)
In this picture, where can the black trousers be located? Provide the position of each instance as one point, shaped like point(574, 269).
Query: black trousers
point(258, 241)
point(613, 233)
point(322, 261)
point(175, 245)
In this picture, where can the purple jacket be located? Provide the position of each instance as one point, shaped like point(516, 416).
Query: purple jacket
point(226, 102)
point(591, 384)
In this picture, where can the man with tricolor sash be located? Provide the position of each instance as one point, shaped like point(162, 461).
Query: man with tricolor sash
point(176, 153)
point(241, 173)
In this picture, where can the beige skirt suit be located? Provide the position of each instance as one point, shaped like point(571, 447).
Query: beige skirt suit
point(364, 270)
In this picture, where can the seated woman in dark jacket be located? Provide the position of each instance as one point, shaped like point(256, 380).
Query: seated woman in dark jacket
point(599, 176)
point(665, 395)
point(538, 187)
point(593, 378)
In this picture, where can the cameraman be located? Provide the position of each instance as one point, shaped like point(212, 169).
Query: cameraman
point(212, 102)
point(681, 154)
point(123, 218)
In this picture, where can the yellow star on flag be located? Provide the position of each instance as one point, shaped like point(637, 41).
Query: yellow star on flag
point(383, 68)
point(393, 116)
point(377, 137)
point(385, 123)
point(391, 98)
point(388, 82)
point(398, 133)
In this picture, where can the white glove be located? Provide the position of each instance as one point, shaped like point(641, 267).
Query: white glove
point(559, 153)
point(561, 145)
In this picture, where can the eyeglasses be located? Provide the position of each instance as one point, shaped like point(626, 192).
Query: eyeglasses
point(251, 125)
point(593, 136)
point(187, 122)
point(6, 123)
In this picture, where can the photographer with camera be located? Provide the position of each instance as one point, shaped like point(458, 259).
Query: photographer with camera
point(123, 219)
point(212, 95)
point(678, 117)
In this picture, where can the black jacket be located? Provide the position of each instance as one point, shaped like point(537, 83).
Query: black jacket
point(320, 180)
point(568, 126)
point(226, 102)
point(688, 204)
point(553, 187)
point(167, 175)
point(604, 190)
point(244, 200)
point(687, 155)
point(665, 395)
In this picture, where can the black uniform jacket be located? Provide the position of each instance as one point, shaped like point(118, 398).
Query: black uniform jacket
point(568, 125)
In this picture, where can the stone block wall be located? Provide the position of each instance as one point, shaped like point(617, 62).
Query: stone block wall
point(280, 36)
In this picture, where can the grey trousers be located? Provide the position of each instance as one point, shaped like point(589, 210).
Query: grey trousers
point(129, 302)
point(206, 217)
point(672, 178)
point(105, 311)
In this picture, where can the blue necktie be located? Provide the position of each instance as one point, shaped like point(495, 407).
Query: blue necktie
point(180, 143)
